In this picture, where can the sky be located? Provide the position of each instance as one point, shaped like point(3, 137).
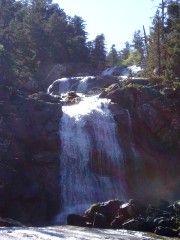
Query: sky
point(116, 19)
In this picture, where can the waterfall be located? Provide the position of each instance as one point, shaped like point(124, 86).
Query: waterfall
point(101, 158)
point(93, 153)
point(63, 85)
point(91, 158)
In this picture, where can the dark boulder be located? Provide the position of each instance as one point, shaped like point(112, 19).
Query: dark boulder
point(108, 209)
point(137, 224)
point(117, 222)
point(165, 222)
point(166, 231)
point(100, 221)
point(77, 220)
point(133, 215)
point(45, 97)
point(136, 208)
point(71, 97)
point(132, 209)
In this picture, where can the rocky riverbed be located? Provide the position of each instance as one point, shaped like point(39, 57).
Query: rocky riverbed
point(163, 219)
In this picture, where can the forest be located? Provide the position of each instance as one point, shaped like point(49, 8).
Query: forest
point(35, 34)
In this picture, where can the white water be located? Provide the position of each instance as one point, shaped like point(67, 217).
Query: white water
point(88, 132)
point(135, 70)
point(64, 85)
point(83, 84)
point(71, 233)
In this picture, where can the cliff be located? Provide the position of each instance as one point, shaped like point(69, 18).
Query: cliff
point(29, 156)
point(154, 113)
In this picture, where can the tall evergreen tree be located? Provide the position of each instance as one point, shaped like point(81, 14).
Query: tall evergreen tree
point(138, 44)
point(77, 41)
point(155, 48)
point(98, 52)
point(125, 52)
point(164, 41)
point(112, 57)
point(8, 11)
point(58, 31)
point(172, 40)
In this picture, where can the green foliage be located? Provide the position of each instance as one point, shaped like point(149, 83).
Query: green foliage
point(33, 34)
point(138, 44)
point(36, 33)
point(177, 209)
point(125, 52)
point(164, 43)
point(133, 59)
point(98, 52)
point(109, 88)
point(112, 57)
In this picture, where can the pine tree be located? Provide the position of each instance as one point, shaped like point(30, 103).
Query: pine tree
point(98, 53)
point(155, 47)
point(112, 57)
point(125, 53)
point(58, 31)
point(164, 41)
point(138, 45)
point(172, 41)
point(77, 40)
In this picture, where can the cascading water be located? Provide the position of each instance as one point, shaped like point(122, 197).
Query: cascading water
point(91, 157)
point(92, 160)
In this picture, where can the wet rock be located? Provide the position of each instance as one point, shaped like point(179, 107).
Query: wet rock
point(136, 208)
point(124, 210)
point(138, 224)
point(117, 222)
point(165, 231)
point(116, 214)
point(132, 209)
point(100, 221)
point(72, 97)
point(45, 97)
point(77, 220)
point(165, 222)
point(109, 209)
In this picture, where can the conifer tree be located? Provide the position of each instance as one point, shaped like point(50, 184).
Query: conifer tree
point(98, 53)
point(155, 47)
point(164, 44)
point(138, 45)
point(172, 41)
point(112, 57)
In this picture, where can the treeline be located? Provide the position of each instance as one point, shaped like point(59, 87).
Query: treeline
point(159, 52)
point(35, 34)
point(163, 48)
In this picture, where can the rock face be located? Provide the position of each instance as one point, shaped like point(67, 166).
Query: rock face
point(29, 157)
point(155, 134)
